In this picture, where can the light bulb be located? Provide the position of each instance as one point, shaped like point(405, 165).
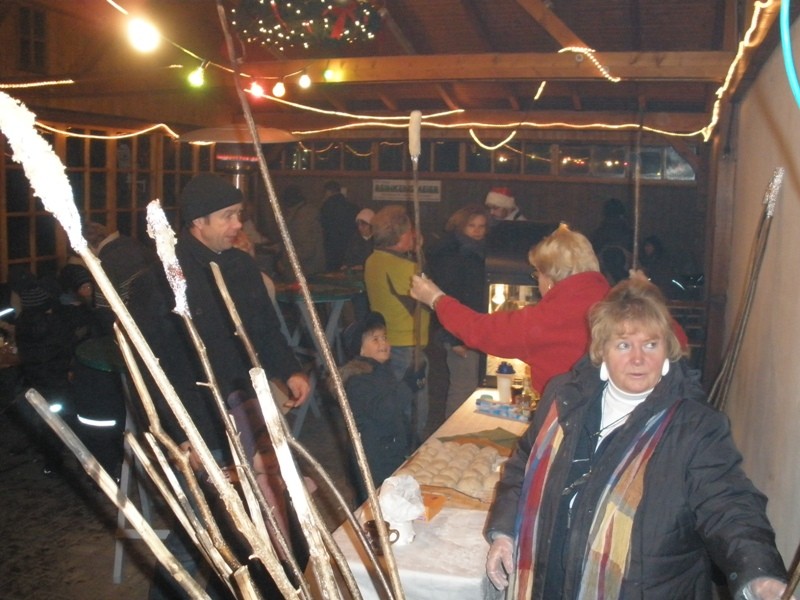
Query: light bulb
point(304, 81)
point(197, 77)
point(279, 90)
point(143, 35)
point(256, 89)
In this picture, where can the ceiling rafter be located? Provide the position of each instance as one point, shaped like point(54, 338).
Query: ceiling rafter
point(551, 23)
point(675, 66)
point(477, 23)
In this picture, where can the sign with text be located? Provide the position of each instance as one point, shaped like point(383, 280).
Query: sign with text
point(402, 190)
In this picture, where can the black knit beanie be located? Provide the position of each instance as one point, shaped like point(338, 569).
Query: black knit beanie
point(207, 193)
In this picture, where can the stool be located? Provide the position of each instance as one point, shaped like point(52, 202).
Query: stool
point(129, 474)
point(103, 355)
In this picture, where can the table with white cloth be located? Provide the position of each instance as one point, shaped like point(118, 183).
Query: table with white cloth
point(447, 558)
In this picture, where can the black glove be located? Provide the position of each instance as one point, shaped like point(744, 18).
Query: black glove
point(415, 378)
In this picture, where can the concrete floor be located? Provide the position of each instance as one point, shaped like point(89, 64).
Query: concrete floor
point(57, 531)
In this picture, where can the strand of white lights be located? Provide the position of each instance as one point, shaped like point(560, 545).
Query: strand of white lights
point(758, 8)
point(539, 91)
point(589, 53)
point(118, 136)
point(516, 124)
point(179, 47)
point(355, 152)
point(496, 146)
point(337, 113)
point(35, 84)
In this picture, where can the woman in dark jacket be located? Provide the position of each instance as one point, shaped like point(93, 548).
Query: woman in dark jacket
point(457, 264)
point(628, 484)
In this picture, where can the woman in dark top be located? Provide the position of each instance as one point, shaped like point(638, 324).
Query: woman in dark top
point(457, 264)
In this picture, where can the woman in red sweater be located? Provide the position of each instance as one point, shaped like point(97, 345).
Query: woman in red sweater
point(550, 336)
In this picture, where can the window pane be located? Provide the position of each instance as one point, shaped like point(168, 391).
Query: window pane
point(124, 190)
point(124, 155)
point(169, 154)
point(327, 156)
point(75, 151)
point(97, 152)
point(299, 158)
point(651, 163)
point(575, 160)
point(186, 157)
point(357, 156)
point(204, 158)
point(18, 237)
point(390, 156)
point(143, 152)
point(45, 235)
point(170, 193)
point(142, 190)
point(97, 198)
point(124, 222)
point(479, 160)
point(507, 158)
point(76, 182)
point(538, 159)
point(17, 190)
point(678, 169)
point(445, 157)
point(609, 162)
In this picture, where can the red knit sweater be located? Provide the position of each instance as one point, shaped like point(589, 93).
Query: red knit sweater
point(550, 336)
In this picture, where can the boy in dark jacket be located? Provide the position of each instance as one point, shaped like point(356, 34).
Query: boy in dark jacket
point(378, 400)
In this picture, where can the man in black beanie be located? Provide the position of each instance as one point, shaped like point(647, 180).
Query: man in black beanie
point(210, 210)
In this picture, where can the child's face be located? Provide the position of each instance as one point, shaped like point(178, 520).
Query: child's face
point(375, 346)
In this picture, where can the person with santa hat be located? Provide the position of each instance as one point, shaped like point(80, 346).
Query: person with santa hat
point(502, 206)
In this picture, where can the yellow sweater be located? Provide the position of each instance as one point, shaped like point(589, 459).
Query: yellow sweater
point(387, 277)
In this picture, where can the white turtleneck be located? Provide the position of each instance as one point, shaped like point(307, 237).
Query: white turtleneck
point(617, 405)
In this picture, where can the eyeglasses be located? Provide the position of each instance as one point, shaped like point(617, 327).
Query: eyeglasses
point(535, 274)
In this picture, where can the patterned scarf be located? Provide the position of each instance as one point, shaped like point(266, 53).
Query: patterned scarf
point(540, 460)
point(608, 546)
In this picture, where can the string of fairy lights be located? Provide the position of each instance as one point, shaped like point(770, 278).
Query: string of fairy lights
point(300, 23)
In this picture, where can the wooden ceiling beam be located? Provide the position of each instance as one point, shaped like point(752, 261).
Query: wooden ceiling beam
point(551, 23)
point(677, 66)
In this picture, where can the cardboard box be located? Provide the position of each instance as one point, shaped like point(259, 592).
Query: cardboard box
point(433, 504)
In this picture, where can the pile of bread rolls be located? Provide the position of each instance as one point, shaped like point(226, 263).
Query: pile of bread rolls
point(470, 469)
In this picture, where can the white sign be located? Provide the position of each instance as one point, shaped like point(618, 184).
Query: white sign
point(402, 190)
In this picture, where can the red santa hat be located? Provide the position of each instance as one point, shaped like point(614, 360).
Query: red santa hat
point(500, 197)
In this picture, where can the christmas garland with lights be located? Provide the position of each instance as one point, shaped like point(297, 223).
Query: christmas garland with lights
point(306, 23)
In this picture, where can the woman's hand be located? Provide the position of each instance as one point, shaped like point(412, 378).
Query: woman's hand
point(424, 290)
point(500, 561)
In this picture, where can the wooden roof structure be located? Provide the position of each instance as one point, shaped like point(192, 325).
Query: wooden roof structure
point(495, 64)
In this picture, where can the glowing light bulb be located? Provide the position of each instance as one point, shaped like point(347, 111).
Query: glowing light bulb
point(279, 90)
point(304, 81)
point(330, 75)
point(197, 77)
point(143, 35)
point(256, 89)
